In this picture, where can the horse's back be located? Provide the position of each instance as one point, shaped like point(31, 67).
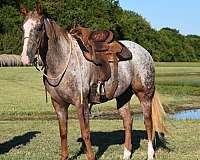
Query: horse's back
point(140, 56)
point(140, 68)
point(142, 65)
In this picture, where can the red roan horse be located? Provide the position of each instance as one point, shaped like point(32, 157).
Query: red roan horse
point(65, 67)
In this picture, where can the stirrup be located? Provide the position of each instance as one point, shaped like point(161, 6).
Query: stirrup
point(101, 88)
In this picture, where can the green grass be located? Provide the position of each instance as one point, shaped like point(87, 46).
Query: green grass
point(39, 140)
point(22, 92)
point(178, 84)
point(177, 64)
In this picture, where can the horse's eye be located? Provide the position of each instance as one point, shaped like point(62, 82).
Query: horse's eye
point(39, 29)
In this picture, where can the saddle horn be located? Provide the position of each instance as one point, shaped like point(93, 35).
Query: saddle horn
point(22, 8)
point(38, 7)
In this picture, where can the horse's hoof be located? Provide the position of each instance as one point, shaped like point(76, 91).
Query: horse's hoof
point(127, 154)
point(150, 156)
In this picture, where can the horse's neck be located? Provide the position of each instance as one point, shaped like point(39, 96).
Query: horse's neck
point(57, 53)
point(63, 52)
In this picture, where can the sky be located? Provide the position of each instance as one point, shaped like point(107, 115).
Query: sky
point(183, 15)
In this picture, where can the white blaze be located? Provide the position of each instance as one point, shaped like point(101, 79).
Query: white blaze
point(28, 25)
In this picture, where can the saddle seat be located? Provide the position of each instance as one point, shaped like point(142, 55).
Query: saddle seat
point(101, 36)
point(100, 48)
point(100, 41)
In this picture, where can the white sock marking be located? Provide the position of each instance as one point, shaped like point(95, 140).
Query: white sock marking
point(127, 154)
point(150, 151)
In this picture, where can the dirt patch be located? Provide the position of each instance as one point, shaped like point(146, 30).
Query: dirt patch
point(186, 107)
point(24, 117)
point(108, 115)
point(103, 115)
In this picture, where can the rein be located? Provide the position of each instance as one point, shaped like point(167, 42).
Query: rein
point(31, 40)
point(36, 64)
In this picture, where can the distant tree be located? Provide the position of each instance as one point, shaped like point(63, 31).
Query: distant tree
point(167, 44)
point(10, 37)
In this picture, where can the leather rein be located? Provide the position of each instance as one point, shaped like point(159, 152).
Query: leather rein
point(36, 58)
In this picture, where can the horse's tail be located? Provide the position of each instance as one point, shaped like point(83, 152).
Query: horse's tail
point(158, 115)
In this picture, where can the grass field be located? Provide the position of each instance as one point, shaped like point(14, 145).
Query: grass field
point(178, 84)
point(39, 140)
point(22, 96)
point(22, 92)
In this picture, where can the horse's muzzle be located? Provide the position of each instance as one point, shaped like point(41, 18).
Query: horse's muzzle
point(25, 60)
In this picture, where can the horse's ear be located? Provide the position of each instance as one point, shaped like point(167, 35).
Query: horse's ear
point(38, 7)
point(23, 10)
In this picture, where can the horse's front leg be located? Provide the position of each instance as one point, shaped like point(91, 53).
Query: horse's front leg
point(62, 115)
point(83, 116)
point(123, 106)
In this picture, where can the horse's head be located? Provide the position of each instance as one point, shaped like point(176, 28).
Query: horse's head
point(33, 29)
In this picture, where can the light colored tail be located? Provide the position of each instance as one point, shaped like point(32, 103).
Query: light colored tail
point(158, 115)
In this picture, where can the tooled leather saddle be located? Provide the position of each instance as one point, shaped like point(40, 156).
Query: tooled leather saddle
point(100, 48)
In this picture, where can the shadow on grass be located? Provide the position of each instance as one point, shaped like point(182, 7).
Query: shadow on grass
point(103, 140)
point(17, 141)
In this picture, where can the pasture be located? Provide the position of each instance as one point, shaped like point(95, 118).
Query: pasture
point(22, 93)
point(39, 140)
point(22, 97)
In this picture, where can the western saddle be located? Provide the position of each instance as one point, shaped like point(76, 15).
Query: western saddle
point(100, 48)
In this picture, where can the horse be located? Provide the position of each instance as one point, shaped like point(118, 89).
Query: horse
point(68, 77)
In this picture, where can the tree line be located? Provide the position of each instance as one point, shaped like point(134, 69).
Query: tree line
point(167, 44)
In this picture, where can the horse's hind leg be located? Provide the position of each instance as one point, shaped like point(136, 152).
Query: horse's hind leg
point(123, 105)
point(145, 98)
point(62, 114)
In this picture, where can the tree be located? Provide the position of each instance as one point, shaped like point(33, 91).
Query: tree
point(166, 44)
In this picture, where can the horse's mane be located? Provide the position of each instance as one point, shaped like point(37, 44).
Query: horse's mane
point(54, 31)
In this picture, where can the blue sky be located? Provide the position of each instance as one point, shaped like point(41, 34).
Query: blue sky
point(183, 15)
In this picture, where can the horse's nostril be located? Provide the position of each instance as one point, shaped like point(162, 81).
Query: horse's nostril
point(25, 60)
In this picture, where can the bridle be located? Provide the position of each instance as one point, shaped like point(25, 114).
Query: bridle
point(30, 39)
point(37, 53)
point(37, 43)
point(36, 57)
